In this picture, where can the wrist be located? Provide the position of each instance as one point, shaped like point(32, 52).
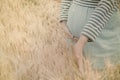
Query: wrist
point(82, 40)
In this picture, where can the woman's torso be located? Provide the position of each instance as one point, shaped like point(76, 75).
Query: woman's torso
point(107, 43)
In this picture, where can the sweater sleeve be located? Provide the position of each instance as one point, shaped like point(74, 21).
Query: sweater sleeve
point(64, 7)
point(99, 18)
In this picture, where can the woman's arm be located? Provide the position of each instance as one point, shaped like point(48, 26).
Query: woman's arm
point(64, 7)
point(99, 18)
point(97, 21)
point(94, 26)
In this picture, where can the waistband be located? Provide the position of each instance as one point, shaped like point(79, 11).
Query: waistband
point(84, 3)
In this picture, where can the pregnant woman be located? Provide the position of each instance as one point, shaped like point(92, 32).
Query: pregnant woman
point(96, 24)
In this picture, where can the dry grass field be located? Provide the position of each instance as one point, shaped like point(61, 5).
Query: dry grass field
point(32, 44)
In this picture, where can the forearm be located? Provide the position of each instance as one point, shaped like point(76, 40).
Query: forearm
point(95, 24)
point(99, 18)
point(82, 40)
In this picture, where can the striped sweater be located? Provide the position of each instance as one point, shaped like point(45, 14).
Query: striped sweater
point(102, 13)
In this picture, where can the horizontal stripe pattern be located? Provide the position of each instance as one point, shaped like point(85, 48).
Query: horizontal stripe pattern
point(87, 3)
point(99, 18)
point(65, 5)
point(102, 13)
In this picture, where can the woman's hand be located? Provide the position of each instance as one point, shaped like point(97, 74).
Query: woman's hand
point(78, 51)
point(67, 32)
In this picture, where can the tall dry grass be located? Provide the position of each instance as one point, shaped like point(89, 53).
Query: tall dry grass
point(32, 44)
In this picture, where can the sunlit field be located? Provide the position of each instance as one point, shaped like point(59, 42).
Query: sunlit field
point(33, 45)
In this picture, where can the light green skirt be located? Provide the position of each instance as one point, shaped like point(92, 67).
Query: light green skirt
point(107, 44)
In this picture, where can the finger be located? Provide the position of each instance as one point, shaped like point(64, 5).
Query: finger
point(68, 34)
point(81, 66)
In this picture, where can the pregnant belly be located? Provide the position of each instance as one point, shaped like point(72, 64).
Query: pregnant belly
point(77, 18)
